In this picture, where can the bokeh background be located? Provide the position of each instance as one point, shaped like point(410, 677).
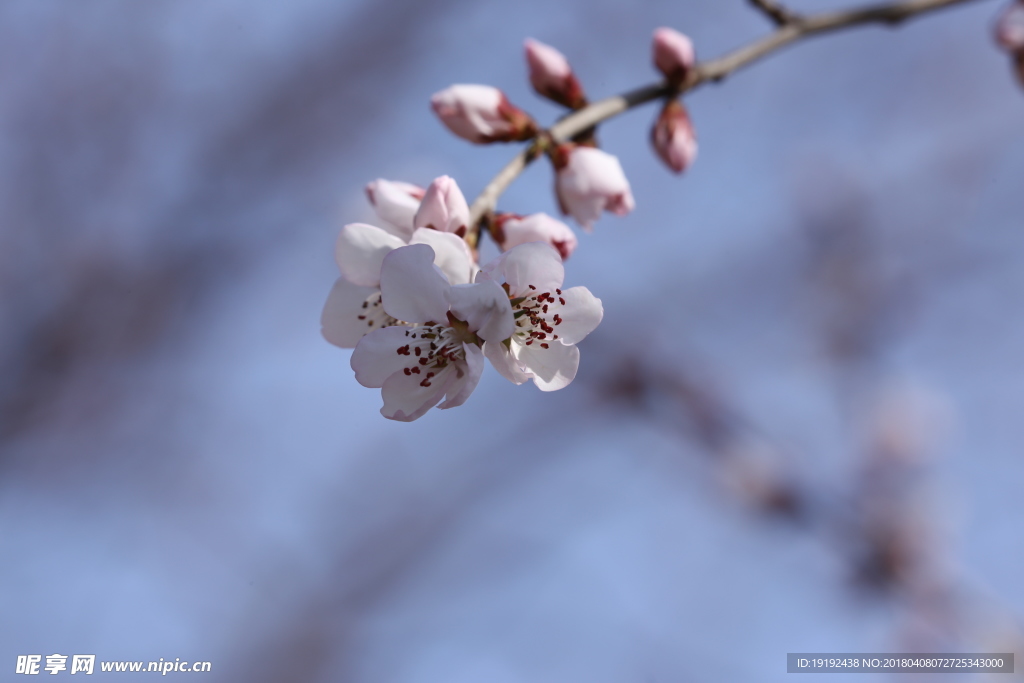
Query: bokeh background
point(798, 428)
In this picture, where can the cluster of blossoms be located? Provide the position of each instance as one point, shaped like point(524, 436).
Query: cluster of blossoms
point(421, 314)
point(1010, 35)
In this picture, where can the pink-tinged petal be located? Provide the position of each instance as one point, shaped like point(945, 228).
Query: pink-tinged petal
point(552, 368)
point(469, 111)
point(592, 181)
point(412, 288)
point(451, 254)
point(547, 65)
point(674, 55)
point(339, 322)
point(409, 397)
point(580, 315)
point(360, 250)
point(443, 208)
point(376, 356)
point(463, 385)
point(551, 75)
point(486, 308)
point(505, 363)
point(534, 267)
point(396, 204)
point(538, 227)
point(481, 114)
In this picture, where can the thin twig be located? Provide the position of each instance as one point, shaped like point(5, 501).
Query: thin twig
point(776, 12)
point(713, 70)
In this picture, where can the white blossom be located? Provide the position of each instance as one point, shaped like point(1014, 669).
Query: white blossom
point(438, 354)
point(549, 321)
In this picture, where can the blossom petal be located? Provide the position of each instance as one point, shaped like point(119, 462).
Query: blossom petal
point(552, 368)
point(339, 322)
point(395, 203)
point(486, 308)
point(359, 251)
point(538, 227)
point(534, 263)
point(461, 388)
point(412, 288)
point(451, 254)
point(504, 362)
point(376, 356)
point(580, 315)
point(408, 397)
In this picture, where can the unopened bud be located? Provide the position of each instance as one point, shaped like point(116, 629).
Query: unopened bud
point(510, 230)
point(591, 181)
point(396, 204)
point(673, 54)
point(481, 114)
point(551, 75)
point(443, 208)
point(673, 137)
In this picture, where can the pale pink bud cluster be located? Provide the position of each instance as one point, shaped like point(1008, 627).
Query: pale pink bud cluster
point(1009, 31)
point(590, 181)
point(674, 55)
point(443, 208)
point(481, 114)
point(551, 75)
point(673, 137)
point(510, 230)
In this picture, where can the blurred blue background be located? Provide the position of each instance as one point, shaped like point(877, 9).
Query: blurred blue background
point(798, 428)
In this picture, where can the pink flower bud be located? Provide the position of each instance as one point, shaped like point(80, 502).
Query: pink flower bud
point(480, 114)
point(443, 208)
point(592, 181)
point(510, 230)
point(551, 75)
point(1010, 28)
point(673, 137)
point(673, 54)
point(396, 204)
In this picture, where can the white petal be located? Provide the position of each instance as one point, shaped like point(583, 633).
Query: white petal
point(504, 362)
point(538, 227)
point(360, 250)
point(407, 399)
point(486, 308)
point(451, 254)
point(534, 263)
point(339, 322)
point(580, 315)
point(396, 203)
point(412, 288)
point(376, 355)
point(553, 367)
point(462, 387)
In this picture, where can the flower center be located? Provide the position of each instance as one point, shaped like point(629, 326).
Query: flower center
point(537, 315)
point(374, 316)
point(432, 349)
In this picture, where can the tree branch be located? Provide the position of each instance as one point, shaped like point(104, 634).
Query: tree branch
point(776, 12)
point(797, 28)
